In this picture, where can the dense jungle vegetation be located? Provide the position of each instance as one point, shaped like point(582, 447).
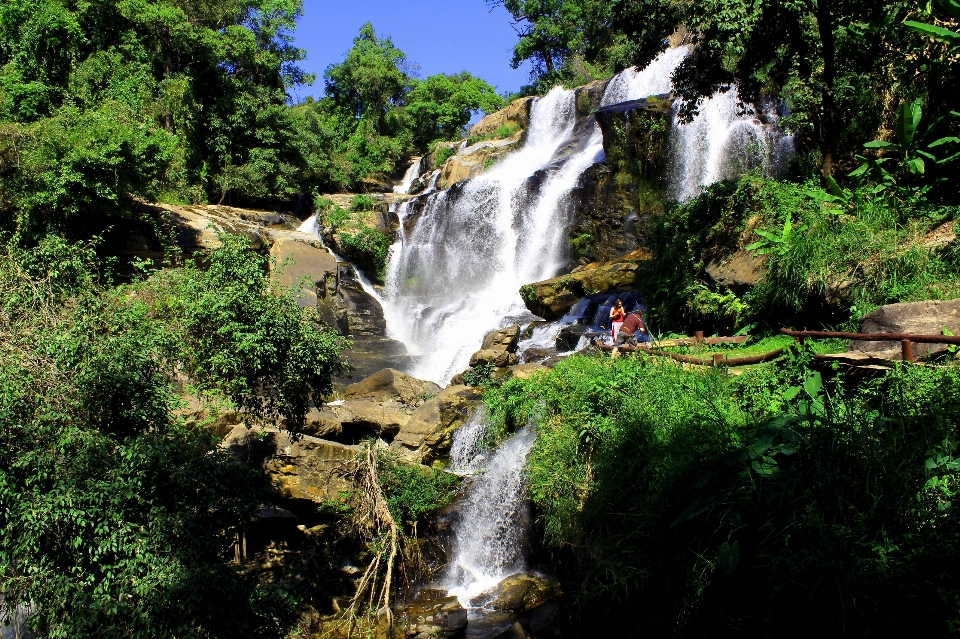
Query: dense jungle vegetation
point(690, 503)
point(793, 499)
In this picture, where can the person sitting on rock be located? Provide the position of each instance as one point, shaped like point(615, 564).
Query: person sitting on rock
point(632, 329)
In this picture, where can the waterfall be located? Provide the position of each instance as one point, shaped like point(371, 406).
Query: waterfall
point(464, 253)
point(413, 172)
point(466, 450)
point(654, 79)
point(488, 542)
point(723, 140)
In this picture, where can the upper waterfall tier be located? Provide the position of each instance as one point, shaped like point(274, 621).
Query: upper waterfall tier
point(464, 252)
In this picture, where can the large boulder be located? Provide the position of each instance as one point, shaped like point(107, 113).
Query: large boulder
point(524, 591)
point(516, 113)
point(738, 272)
point(498, 348)
point(923, 318)
point(502, 339)
point(302, 263)
point(551, 299)
point(428, 431)
point(310, 468)
point(301, 468)
point(474, 160)
point(496, 357)
point(363, 418)
point(392, 385)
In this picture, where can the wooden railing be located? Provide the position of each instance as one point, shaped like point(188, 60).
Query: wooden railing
point(907, 340)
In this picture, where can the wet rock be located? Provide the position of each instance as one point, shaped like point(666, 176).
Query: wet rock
point(474, 160)
point(430, 618)
point(392, 385)
point(552, 298)
point(524, 591)
point(429, 429)
point(923, 318)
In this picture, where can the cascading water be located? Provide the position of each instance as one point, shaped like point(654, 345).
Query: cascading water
point(413, 172)
point(722, 141)
point(467, 456)
point(458, 267)
point(654, 79)
point(489, 541)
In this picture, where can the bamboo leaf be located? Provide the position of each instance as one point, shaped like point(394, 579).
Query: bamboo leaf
point(907, 120)
point(937, 33)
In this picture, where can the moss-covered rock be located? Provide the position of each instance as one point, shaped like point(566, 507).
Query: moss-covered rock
point(616, 198)
point(551, 299)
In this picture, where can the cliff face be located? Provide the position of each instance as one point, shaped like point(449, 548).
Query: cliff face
point(614, 198)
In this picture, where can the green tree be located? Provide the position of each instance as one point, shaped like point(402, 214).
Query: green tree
point(103, 102)
point(116, 518)
point(370, 79)
point(440, 106)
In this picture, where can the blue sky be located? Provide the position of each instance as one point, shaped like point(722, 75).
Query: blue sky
point(442, 36)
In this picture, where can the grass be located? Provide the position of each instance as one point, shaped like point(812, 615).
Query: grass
point(501, 133)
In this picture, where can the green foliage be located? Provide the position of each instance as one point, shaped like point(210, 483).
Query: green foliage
point(480, 375)
point(442, 154)
point(439, 107)
point(839, 257)
point(369, 249)
point(413, 491)
point(240, 335)
point(938, 33)
point(101, 104)
point(772, 242)
point(690, 496)
point(834, 65)
point(362, 202)
point(117, 519)
point(376, 114)
point(908, 155)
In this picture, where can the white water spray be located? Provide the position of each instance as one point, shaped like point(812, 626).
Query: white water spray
point(488, 545)
point(413, 172)
point(465, 253)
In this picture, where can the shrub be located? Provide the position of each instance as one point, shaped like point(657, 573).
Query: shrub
point(362, 202)
point(693, 500)
point(413, 491)
point(116, 518)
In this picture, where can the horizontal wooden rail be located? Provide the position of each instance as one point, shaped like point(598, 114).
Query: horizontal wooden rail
point(718, 359)
point(875, 337)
